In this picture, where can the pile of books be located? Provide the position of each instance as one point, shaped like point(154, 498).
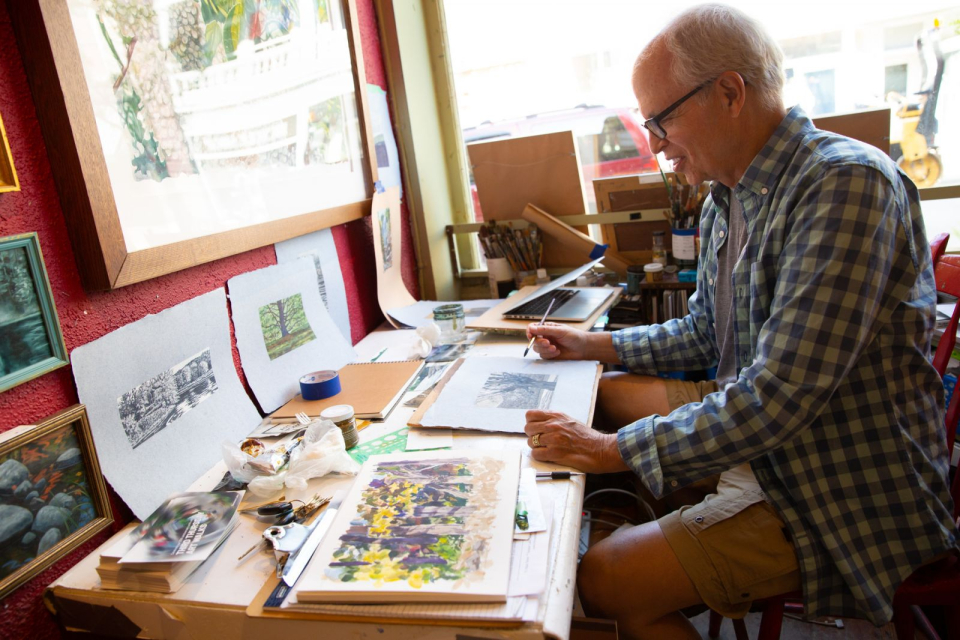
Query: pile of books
point(161, 553)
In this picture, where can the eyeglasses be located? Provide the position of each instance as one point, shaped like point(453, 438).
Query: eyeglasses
point(653, 124)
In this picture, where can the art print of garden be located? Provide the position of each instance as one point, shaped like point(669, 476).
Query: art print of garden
point(285, 326)
point(410, 525)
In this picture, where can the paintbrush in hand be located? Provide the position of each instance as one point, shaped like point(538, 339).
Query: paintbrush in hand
point(550, 306)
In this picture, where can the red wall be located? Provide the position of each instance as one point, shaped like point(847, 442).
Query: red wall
point(86, 316)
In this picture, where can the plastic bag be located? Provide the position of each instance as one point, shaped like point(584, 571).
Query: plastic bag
point(320, 451)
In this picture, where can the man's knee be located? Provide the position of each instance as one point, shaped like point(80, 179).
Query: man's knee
point(593, 579)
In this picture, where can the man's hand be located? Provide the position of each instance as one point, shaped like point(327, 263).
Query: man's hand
point(557, 341)
point(556, 437)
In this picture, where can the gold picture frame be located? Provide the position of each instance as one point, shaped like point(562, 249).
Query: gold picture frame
point(185, 132)
point(8, 173)
point(52, 494)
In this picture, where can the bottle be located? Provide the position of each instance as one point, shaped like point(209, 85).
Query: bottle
point(450, 319)
point(659, 248)
point(342, 416)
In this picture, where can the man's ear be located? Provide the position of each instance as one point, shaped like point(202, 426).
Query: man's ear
point(733, 91)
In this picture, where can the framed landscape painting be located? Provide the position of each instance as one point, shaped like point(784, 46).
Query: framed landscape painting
point(182, 131)
point(52, 495)
point(30, 340)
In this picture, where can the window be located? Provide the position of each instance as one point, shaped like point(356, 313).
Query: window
point(895, 79)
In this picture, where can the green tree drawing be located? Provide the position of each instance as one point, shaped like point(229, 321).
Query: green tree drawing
point(285, 326)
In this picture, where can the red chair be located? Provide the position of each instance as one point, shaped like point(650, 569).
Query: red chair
point(936, 584)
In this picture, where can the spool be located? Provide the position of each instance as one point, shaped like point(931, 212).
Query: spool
point(320, 385)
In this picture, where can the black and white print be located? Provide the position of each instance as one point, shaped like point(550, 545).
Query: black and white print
point(526, 391)
point(153, 405)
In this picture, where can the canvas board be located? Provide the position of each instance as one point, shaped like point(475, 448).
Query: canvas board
point(162, 394)
point(429, 526)
point(320, 247)
point(283, 330)
point(495, 393)
point(385, 218)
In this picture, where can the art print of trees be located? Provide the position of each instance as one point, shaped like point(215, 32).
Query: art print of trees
point(285, 326)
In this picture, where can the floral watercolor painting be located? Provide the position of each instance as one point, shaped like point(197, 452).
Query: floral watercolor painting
point(422, 522)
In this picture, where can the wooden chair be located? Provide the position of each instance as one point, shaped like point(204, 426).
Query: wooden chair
point(937, 584)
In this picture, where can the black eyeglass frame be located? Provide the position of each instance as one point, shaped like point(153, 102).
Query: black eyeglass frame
point(653, 124)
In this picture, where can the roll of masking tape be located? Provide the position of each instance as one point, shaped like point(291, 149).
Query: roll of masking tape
point(319, 385)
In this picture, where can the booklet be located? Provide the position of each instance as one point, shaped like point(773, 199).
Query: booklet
point(186, 528)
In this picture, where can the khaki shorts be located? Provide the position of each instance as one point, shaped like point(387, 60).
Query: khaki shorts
point(735, 548)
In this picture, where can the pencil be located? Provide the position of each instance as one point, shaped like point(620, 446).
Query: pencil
point(540, 324)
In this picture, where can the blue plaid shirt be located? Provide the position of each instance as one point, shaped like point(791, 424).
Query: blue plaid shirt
point(836, 407)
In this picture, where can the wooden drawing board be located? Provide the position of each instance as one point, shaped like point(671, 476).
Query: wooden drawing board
point(493, 321)
point(543, 170)
point(417, 418)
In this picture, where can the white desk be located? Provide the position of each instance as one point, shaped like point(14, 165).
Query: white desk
point(213, 602)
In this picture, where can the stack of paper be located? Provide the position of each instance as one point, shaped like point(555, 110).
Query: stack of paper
point(161, 553)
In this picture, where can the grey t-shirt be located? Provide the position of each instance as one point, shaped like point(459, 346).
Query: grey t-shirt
point(727, 257)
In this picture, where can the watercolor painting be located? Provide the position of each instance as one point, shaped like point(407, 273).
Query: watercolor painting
point(150, 407)
point(386, 244)
point(506, 390)
point(285, 326)
point(52, 496)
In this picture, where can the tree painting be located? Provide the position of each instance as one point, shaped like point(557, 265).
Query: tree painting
point(509, 390)
point(383, 216)
point(285, 326)
point(411, 525)
point(23, 337)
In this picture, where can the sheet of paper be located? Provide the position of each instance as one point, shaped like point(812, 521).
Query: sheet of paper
point(529, 498)
point(162, 394)
point(420, 313)
point(384, 142)
point(283, 330)
point(391, 344)
point(529, 564)
point(320, 247)
point(423, 439)
point(391, 292)
point(494, 394)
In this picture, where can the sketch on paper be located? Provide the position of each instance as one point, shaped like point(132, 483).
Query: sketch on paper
point(506, 390)
point(417, 521)
point(285, 326)
point(321, 285)
point(386, 244)
point(152, 406)
point(23, 336)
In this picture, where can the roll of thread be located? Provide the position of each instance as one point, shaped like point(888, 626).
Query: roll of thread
point(342, 416)
point(320, 385)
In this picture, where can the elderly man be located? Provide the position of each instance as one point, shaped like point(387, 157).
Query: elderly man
point(815, 300)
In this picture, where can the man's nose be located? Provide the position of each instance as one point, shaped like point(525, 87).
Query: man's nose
point(656, 144)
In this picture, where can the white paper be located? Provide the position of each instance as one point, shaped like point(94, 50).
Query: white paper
point(385, 218)
point(423, 439)
point(148, 463)
point(384, 143)
point(273, 365)
point(529, 496)
point(320, 247)
point(528, 565)
point(494, 394)
point(421, 313)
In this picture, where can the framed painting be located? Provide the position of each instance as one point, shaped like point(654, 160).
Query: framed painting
point(30, 340)
point(52, 495)
point(183, 131)
point(8, 173)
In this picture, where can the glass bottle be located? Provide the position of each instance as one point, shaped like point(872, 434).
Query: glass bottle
point(659, 248)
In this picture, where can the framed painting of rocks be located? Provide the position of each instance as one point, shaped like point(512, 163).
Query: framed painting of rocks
point(52, 494)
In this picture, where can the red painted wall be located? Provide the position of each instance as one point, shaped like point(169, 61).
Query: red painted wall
point(86, 316)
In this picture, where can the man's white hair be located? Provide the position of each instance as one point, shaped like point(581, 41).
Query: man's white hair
point(708, 39)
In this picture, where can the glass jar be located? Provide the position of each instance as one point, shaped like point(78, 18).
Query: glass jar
point(659, 248)
point(342, 415)
point(450, 319)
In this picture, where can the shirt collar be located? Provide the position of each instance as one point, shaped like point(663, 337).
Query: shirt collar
point(765, 170)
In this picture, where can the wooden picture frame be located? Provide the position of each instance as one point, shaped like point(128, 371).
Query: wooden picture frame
point(239, 189)
point(8, 173)
point(31, 343)
point(644, 193)
point(52, 494)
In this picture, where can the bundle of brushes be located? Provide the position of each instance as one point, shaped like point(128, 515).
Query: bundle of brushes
point(686, 201)
point(522, 248)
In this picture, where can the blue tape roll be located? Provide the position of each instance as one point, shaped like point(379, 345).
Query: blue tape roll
point(319, 385)
point(598, 251)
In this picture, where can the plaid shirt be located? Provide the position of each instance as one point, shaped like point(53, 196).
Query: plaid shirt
point(836, 407)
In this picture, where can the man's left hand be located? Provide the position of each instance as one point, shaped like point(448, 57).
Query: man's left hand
point(556, 437)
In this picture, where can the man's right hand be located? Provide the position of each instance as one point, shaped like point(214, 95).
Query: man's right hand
point(557, 341)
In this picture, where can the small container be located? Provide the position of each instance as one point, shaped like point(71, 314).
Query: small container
point(659, 248)
point(634, 278)
point(342, 416)
point(450, 319)
point(653, 271)
point(684, 246)
point(500, 277)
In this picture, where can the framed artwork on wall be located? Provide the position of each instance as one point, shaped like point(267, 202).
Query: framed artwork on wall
point(183, 131)
point(30, 340)
point(52, 495)
point(8, 173)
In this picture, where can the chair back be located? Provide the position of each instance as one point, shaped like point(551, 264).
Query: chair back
point(937, 246)
point(947, 274)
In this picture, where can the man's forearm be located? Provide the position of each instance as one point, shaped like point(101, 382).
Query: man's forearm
point(600, 348)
